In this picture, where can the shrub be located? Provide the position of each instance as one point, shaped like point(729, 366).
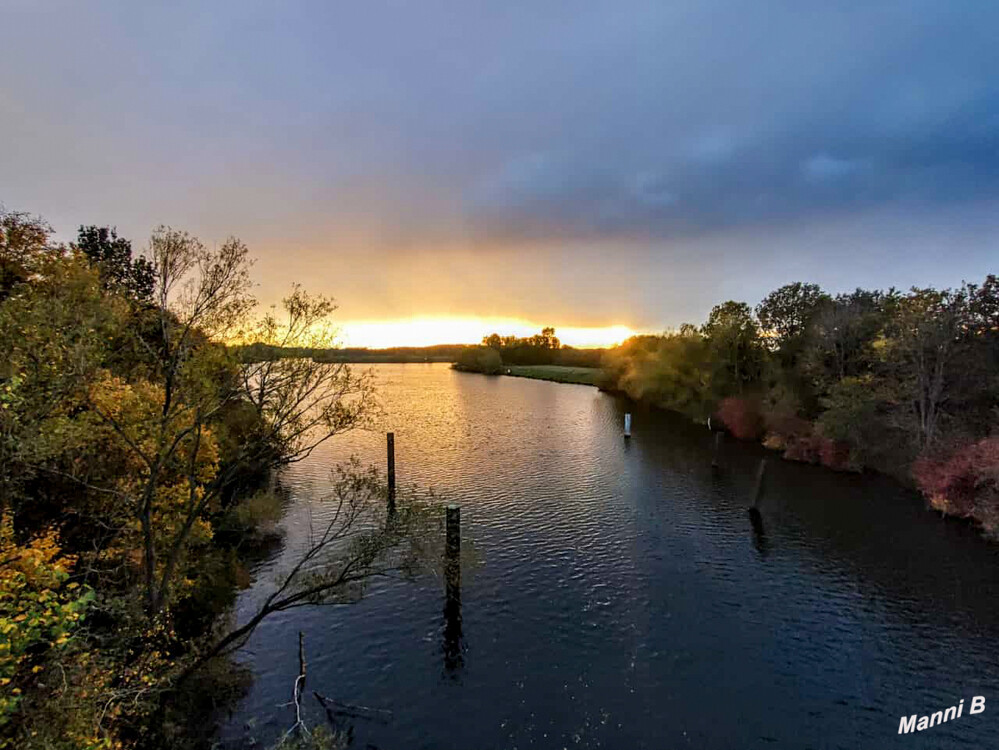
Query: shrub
point(836, 455)
point(742, 417)
point(804, 448)
point(964, 482)
point(39, 609)
point(480, 359)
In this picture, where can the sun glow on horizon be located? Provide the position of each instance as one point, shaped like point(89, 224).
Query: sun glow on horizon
point(427, 331)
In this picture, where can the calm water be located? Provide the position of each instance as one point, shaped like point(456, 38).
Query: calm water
point(624, 597)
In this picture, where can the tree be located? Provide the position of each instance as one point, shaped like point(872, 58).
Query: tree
point(480, 359)
point(733, 339)
point(302, 401)
point(924, 342)
point(671, 370)
point(843, 336)
point(548, 339)
point(122, 429)
point(119, 271)
point(493, 341)
point(785, 313)
point(541, 348)
point(345, 553)
point(24, 242)
point(203, 296)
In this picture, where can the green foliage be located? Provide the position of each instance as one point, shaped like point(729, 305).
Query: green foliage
point(39, 611)
point(672, 371)
point(132, 443)
point(558, 374)
point(786, 313)
point(480, 359)
point(111, 255)
point(540, 349)
point(24, 244)
point(734, 347)
point(319, 738)
point(868, 378)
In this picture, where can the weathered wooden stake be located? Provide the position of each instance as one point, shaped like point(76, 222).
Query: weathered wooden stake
point(627, 425)
point(714, 458)
point(759, 481)
point(453, 532)
point(391, 465)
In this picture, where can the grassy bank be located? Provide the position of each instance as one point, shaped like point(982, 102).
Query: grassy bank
point(556, 373)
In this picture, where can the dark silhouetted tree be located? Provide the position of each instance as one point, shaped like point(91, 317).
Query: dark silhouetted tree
point(736, 354)
point(119, 271)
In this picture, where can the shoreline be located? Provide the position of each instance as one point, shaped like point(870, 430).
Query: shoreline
point(590, 376)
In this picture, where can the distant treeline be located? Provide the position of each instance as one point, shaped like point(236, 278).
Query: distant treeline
point(906, 383)
point(541, 349)
point(438, 353)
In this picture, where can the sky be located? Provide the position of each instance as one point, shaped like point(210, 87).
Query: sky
point(446, 168)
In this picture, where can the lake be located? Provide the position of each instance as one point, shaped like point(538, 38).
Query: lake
point(623, 596)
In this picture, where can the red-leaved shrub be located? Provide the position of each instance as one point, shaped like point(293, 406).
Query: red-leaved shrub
point(835, 455)
point(804, 448)
point(964, 482)
point(813, 448)
point(742, 417)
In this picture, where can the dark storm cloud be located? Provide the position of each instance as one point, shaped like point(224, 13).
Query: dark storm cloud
point(543, 118)
point(749, 113)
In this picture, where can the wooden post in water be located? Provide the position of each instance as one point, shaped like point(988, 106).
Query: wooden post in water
point(714, 457)
point(453, 550)
point(627, 425)
point(391, 465)
point(759, 481)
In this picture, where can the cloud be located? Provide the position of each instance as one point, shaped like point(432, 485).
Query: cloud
point(495, 127)
point(824, 167)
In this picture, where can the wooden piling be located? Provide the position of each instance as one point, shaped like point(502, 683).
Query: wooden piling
point(453, 549)
point(627, 425)
point(759, 481)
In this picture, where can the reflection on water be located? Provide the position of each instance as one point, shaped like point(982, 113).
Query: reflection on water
point(453, 642)
point(620, 597)
point(759, 532)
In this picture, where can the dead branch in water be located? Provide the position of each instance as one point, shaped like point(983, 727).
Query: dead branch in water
point(353, 710)
point(296, 697)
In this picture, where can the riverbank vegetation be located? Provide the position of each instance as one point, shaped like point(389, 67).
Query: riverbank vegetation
point(557, 373)
point(905, 383)
point(137, 457)
point(540, 356)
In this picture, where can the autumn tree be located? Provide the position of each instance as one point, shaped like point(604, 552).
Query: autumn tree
point(733, 338)
point(843, 337)
point(925, 335)
point(785, 313)
point(24, 243)
point(112, 256)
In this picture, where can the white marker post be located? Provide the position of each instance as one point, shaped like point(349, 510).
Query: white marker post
point(627, 425)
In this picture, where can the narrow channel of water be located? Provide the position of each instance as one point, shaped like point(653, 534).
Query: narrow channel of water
point(625, 598)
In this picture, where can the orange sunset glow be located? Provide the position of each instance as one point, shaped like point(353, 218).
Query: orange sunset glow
point(427, 331)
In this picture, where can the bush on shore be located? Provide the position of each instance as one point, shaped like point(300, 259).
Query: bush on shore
point(964, 482)
point(479, 359)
